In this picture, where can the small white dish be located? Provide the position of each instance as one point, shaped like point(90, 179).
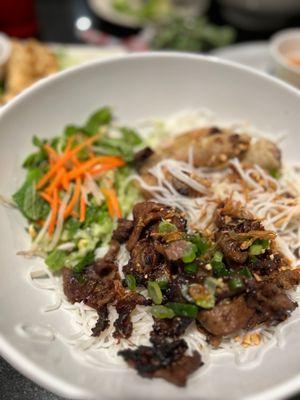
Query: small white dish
point(251, 54)
point(5, 51)
point(285, 52)
point(136, 86)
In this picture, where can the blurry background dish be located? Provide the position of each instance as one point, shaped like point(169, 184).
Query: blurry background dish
point(251, 54)
point(285, 51)
point(133, 13)
point(259, 14)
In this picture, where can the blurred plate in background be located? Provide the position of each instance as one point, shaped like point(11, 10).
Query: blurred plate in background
point(252, 54)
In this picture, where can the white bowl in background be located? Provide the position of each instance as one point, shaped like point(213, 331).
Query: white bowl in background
point(284, 45)
point(136, 86)
point(5, 51)
point(259, 14)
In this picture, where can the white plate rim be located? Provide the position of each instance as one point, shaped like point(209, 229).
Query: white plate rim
point(18, 360)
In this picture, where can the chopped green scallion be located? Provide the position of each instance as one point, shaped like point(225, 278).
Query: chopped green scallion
point(130, 282)
point(166, 227)
point(191, 268)
point(183, 309)
point(154, 292)
point(162, 312)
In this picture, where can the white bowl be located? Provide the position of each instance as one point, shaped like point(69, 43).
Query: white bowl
point(5, 51)
point(135, 86)
point(284, 44)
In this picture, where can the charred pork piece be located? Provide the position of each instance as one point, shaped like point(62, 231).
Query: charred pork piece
point(123, 231)
point(92, 290)
point(102, 322)
point(264, 153)
point(148, 213)
point(167, 361)
point(125, 306)
point(172, 328)
point(146, 263)
point(267, 263)
point(105, 267)
point(271, 303)
point(227, 317)
point(97, 284)
point(231, 248)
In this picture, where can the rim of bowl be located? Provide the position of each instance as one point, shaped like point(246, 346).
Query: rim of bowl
point(5, 48)
point(19, 360)
point(277, 40)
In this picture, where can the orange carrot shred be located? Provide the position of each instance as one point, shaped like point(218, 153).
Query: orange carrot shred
point(56, 181)
point(112, 202)
point(54, 211)
point(82, 207)
point(112, 162)
point(46, 197)
point(63, 159)
point(52, 154)
point(74, 199)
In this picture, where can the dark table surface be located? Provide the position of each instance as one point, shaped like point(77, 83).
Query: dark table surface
point(13, 385)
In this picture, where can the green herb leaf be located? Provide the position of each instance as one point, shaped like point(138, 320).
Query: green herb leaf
point(99, 118)
point(28, 200)
point(162, 312)
point(71, 130)
point(56, 260)
point(154, 292)
point(131, 136)
point(183, 309)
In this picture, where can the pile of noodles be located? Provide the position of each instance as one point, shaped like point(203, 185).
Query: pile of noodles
point(276, 202)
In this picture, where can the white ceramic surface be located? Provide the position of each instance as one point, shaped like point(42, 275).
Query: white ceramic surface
point(251, 54)
point(135, 86)
point(283, 44)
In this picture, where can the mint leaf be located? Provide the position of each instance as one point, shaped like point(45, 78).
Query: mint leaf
point(28, 200)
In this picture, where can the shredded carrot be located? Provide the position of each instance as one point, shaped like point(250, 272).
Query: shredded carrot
point(52, 154)
point(84, 167)
point(82, 207)
point(56, 181)
point(54, 211)
point(98, 170)
point(65, 181)
point(112, 202)
point(46, 197)
point(63, 159)
point(74, 198)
